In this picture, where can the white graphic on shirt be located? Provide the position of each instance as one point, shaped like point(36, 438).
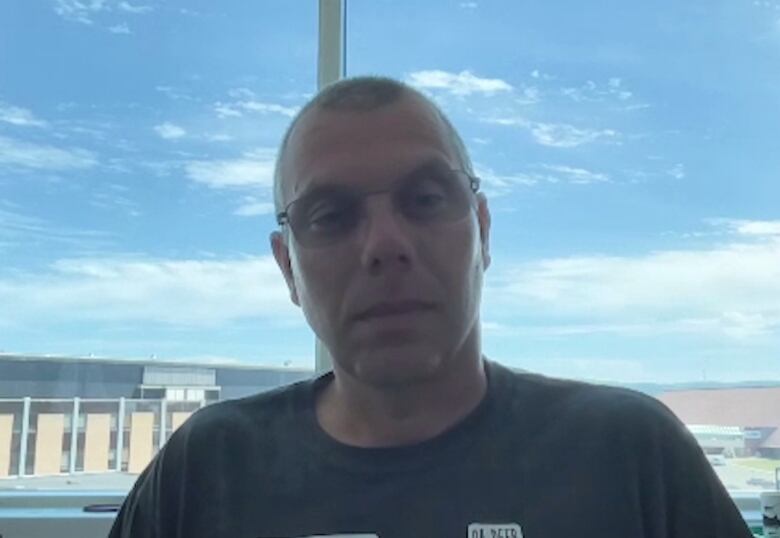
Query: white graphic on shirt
point(495, 530)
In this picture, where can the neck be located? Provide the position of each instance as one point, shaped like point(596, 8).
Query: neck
point(359, 414)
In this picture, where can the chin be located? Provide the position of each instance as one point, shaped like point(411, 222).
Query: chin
point(397, 366)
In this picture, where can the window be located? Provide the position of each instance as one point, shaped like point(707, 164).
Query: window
point(137, 141)
point(630, 160)
point(628, 153)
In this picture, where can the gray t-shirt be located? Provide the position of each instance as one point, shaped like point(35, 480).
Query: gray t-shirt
point(537, 458)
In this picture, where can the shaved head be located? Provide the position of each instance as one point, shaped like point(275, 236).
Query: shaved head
point(360, 94)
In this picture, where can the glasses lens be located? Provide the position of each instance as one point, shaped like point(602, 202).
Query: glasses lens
point(435, 195)
point(428, 196)
point(322, 218)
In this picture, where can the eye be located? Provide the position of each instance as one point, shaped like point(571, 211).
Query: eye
point(329, 214)
point(430, 199)
point(425, 197)
point(325, 218)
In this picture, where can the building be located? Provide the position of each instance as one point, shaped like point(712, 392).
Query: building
point(70, 377)
point(754, 411)
point(69, 414)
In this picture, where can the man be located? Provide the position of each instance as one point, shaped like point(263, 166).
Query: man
point(383, 244)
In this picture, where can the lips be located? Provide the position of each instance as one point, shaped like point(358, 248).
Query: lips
point(393, 308)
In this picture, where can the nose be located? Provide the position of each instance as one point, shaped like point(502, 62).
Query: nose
point(386, 240)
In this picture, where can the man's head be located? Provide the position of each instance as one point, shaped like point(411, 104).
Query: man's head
point(375, 188)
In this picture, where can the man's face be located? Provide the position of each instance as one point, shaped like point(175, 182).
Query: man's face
point(430, 270)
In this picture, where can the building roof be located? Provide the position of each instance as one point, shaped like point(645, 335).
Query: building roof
point(204, 363)
point(744, 407)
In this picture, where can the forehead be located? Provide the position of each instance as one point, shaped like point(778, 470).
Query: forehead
point(364, 146)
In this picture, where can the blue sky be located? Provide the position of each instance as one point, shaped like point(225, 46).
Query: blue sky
point(630, 154)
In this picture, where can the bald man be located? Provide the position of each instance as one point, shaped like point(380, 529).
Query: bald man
point(383, 242)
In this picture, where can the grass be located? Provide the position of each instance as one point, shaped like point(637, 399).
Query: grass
point(762, 464)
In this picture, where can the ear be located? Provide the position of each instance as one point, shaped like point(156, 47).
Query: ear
point(483, 215)
point(282, 255)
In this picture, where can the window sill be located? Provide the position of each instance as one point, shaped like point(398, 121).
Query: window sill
point(34, 514)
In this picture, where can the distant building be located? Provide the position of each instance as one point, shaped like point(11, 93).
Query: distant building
point(754, 411)
point(63, 415)
point(44, 377)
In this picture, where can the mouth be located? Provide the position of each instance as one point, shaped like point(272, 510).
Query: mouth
point(396, 309)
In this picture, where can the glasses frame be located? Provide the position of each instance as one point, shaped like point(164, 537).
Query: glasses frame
point(283, 217)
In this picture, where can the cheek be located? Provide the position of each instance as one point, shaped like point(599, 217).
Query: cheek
point(320, 279)
point(457, 262)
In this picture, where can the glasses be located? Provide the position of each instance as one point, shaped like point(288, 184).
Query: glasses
point(329, 214)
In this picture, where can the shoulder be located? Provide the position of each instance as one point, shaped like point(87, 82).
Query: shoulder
point(219, 444)
point(248, 416)
point(609, 410)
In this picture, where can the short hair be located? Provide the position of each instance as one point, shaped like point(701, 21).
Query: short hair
point(362, 94)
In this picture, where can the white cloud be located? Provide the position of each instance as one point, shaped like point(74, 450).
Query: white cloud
point(112, 198)
point(538, 75)
point(237, 108)
point(241, 93)
point(175, 94)
point(138, 10)
point(120, 29)
point(578, 176)
point(731, 289)
point(84, 11)
point(226, 111)
point(677, 171)
point(79, 10)
point(460, 84)
point(561, 135)
point(19, 116)
point(529, 96)
point(26, 231)
point(265, 108)
point(170, 131)
point(180, 292)
point(254, 168)
point(254, 208)
point(468, 5)
point(755, 228)
point(43, 157)
point(494, 184)
point(638, 106)
point(590, 91)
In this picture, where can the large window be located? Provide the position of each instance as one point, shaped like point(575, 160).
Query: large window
point(630, 156)
point(628, 151)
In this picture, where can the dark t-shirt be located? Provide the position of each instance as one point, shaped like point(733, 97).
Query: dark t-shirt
point(537, 458)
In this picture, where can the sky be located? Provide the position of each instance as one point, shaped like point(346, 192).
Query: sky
point(629, 152)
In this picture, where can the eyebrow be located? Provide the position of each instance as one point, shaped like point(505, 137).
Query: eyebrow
point(325, 185)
